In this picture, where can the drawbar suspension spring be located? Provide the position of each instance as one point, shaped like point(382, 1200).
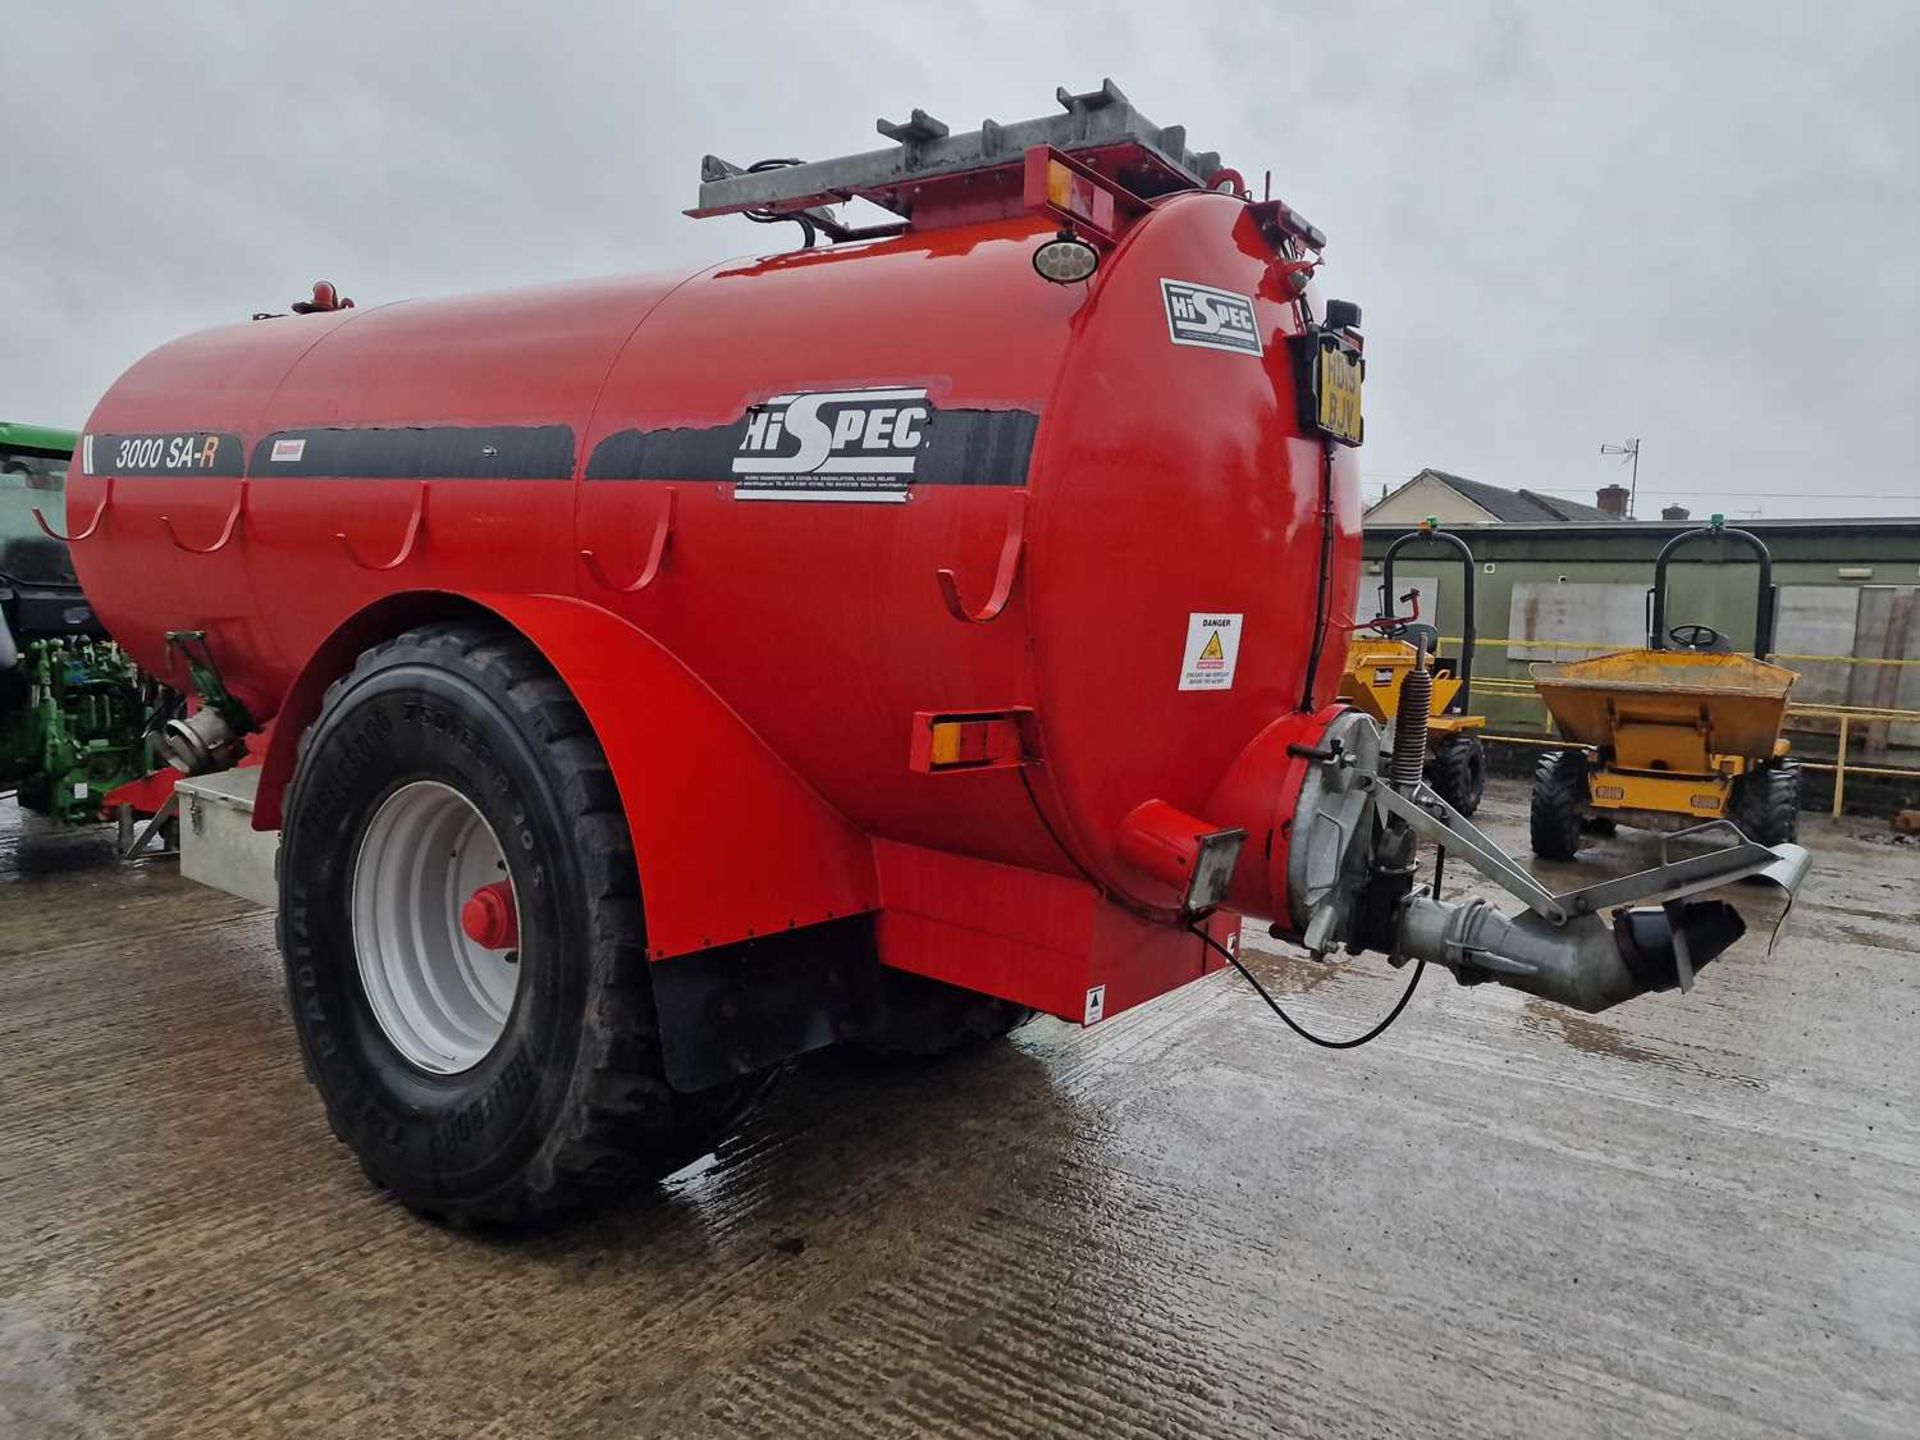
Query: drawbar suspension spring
point(1410, 725)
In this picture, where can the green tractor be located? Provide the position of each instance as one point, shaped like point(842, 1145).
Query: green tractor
point(75, 715)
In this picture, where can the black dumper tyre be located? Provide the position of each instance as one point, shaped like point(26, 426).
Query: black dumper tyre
point(1766, 804)
point(923, 1017)
point(555, 1098)
point(1457, 770)
point(1559, 804)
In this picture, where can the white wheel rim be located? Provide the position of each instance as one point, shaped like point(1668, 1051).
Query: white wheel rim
point(439, 996)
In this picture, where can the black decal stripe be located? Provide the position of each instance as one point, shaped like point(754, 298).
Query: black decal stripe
point(666, 454)
point(170, 452)
point(962, 447)
point(421, 452)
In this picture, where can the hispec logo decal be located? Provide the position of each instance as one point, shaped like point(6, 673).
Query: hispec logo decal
point(880, 443)
point(1212, 319)
point(833, 444)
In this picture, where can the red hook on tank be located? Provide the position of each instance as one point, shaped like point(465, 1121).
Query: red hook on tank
point(656, 556)
point(106, 499)
point(226, 532)
point(1004, 576)
point(407, 541)
point(1230, 182)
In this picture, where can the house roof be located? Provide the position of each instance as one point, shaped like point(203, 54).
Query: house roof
point(1515, 507)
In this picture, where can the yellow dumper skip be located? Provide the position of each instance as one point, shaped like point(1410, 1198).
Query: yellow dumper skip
point(1675, 727)
point(1376, 669)
point(1669, 709)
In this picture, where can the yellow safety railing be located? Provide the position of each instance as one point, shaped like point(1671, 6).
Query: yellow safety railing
point(1846, 715)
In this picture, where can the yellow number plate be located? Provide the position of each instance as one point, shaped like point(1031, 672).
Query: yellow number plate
point(1337, 391)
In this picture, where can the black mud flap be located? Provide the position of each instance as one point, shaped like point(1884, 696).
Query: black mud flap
point(736, 1009)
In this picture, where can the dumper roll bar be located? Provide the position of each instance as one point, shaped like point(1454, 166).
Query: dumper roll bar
point(1431, 532)
point(1766, 609)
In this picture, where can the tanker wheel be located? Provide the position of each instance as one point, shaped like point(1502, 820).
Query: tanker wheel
point(1457, 771)
point(464, 942)
point(1766, 804)
point(922, 1017)
point(1559, 804)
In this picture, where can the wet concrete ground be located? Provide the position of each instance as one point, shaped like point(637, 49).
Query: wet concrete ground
point(1695, 1216)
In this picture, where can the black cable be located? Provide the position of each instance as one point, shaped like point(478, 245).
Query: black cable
point(1054, 835)
point(1294, 1025)
point(770, 217)
point(1323, 597)
point(1157, 914)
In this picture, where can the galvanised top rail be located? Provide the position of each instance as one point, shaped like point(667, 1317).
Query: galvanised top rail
point(927, 149)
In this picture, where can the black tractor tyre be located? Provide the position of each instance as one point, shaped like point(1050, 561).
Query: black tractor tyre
point(1457, 771)
point(922, 1017)
point(1766, 804)
point(1559, 804)
point(570, 1105)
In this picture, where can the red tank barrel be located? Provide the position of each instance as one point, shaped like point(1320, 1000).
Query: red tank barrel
point(793, 454)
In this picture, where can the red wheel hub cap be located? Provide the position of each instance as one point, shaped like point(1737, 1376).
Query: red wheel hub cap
point(488, 917)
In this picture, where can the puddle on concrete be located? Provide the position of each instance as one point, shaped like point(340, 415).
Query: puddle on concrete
point(1595, 1037)
point(1285, 974)
point(31, 847)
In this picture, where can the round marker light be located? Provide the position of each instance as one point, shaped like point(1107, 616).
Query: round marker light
point(1066, 259)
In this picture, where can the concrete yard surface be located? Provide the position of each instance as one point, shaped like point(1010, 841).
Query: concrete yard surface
point(1694, 1216)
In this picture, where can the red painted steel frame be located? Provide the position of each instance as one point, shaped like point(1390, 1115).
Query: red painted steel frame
point(1096, 205)
point(147, 795)
point(1043, 941)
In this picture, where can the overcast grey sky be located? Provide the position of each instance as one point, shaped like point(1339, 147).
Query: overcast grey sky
point(1567, 223)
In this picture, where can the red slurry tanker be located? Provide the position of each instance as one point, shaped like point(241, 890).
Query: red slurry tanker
point(653, 679)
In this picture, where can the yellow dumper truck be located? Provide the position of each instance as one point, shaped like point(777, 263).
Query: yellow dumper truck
point(1682, 732)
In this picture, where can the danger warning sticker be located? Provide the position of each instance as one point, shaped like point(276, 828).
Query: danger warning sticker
point(1213, 647)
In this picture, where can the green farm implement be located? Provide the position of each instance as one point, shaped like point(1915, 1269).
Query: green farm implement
point(75, 715)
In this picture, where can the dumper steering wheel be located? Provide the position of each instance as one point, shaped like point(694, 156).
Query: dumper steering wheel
point(1697, 637)
point(1418, 633)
